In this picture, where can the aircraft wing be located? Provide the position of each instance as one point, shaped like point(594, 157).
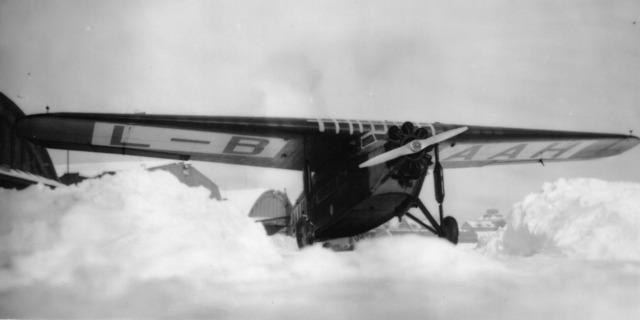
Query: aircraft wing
point(283, 142)
point(263, 142)
point(483, 146)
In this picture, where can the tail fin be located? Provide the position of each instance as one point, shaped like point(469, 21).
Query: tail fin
point(22, 163)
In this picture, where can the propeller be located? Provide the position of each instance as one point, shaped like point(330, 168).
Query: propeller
point(412, 147)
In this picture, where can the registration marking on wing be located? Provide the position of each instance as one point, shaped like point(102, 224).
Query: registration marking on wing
point(177, 140)
point(513, 151)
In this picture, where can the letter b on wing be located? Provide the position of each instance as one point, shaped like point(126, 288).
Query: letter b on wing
point(245, 146)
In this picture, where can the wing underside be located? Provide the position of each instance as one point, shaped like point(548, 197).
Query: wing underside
point(284, 142)
point(484, 146)
point(263, 142)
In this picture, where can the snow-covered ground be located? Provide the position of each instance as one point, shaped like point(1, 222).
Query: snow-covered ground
point(140, 244)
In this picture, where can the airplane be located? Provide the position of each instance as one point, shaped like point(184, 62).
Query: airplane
point(356, 174)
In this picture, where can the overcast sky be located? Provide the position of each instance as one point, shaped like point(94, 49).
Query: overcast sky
point(551, 64)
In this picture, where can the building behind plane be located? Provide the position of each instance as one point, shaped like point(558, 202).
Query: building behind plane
point(490, 222)
point(272, 209)
point(22, 163)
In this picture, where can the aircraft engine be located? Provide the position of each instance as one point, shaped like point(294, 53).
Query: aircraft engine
point(412, 166)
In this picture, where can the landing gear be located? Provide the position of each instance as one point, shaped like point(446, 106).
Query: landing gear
point(448, 226)
point(305, 231)
point(450, 229)
point(304, 228)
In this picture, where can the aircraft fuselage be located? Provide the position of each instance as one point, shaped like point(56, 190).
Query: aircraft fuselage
point(351, 201)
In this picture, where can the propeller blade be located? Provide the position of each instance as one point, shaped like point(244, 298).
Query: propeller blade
point(440, 137)
point(389, 155)
point(412, 147)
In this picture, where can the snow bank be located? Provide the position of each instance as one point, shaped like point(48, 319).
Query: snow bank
point(107, 237)
point(579, 218)
point(94, 169)
point(142, 244)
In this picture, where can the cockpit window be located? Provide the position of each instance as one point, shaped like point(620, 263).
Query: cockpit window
point(367, 139)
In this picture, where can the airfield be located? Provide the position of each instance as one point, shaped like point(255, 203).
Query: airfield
point(140, 244)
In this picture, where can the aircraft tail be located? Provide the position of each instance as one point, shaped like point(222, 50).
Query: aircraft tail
point(22, 163)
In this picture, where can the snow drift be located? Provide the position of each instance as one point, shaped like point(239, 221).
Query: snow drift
point(116, 245)
point(140, 244)
point(579, 218)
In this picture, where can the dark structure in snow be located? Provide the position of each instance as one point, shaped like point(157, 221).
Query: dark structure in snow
point(190, 176)
point(70, 178)
point(186, 173)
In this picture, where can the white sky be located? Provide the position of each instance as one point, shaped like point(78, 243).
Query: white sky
point(545, 64)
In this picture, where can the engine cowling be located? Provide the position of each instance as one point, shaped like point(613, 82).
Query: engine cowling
point(413, 166)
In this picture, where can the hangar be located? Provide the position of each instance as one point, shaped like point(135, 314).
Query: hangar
point(268, 206)
point(271, 209)
point(22, 163)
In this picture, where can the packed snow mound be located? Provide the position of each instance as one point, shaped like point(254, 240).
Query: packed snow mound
point(128, 228)
point(141, 244)
point(578, 218)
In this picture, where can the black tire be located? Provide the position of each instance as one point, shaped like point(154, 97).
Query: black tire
point(304, 232)
point(450, 229)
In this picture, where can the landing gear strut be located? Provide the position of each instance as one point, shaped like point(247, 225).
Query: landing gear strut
point(305, 229)
point(304, 232)
point(448, 226)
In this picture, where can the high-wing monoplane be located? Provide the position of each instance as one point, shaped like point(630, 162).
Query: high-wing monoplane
point(357, 174)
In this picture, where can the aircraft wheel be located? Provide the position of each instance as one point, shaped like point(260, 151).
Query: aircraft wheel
point(450, 228)
point(304, 232)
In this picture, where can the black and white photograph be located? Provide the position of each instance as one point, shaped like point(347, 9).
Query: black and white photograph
point(319, 159)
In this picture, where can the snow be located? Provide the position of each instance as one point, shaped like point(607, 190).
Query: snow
point(140, 244)
point(93, 169)
point(580, 218)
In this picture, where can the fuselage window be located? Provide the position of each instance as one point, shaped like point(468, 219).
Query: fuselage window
point(367, 139)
